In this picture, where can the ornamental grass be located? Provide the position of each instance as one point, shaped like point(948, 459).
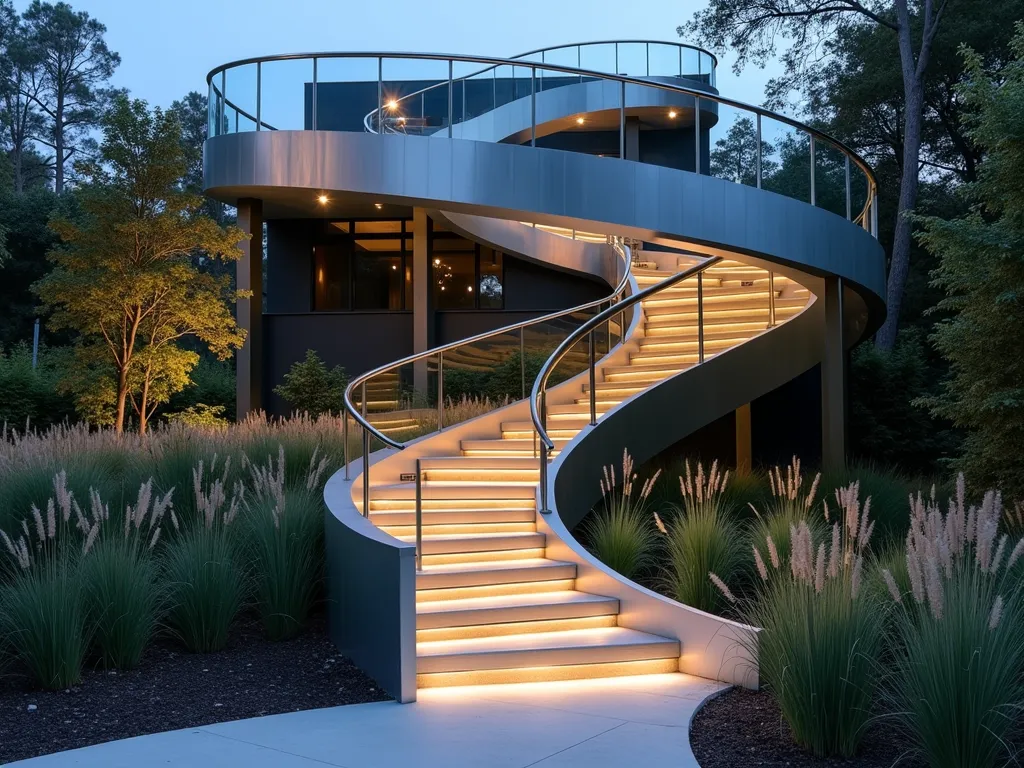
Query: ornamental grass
point(620, 533)
point(958, 682)
point(792, 503)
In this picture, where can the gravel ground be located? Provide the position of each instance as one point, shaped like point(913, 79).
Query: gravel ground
point(742, 729)
point(174, 689)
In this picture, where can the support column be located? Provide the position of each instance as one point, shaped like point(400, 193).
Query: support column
point(249, 276)
point(421, 315)
point(744, 443)
point(833, 380)
point(633, 139)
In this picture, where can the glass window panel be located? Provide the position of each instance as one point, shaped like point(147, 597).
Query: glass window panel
point(342, 226)
point(492, 278)
point(378, 280)
point(378, 246)
point(378, 227)
point(346, 92)
point(415, 95)
point(453, 244)
point(330, 265)
point(453, 279)
point(240, 92)
point(286, 88)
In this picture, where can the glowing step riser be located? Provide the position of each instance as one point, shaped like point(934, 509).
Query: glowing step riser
point(490, 573)
point(493, 590)
point(495, 543)
point(452, 516)
point(401, 531)
point(548, 657)
point(547, 674)
point(515, 628)
point(472, 558)
point(538, 611)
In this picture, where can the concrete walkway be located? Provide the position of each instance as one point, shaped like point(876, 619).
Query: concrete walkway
point(591, 723)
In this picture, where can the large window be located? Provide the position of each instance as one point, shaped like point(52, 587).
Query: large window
point(330, 278)
point(365, 265)
point(464, 275)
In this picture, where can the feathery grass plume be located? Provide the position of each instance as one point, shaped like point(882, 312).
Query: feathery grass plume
point(203, 567)
point(283, 538)
point(119, 578)
point(958, 669)
point(619, 532)
point(702, 539)
point(792, 502)
point(823, 633)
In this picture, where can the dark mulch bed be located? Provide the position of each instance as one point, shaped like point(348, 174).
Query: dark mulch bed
point(175, 689)
point(742, 729)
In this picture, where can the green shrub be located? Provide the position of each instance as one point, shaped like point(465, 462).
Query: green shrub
point(212, 386)
point(284, 531)
point(200, 415)
point(822, 633)
point(958, 683)
point(701, 539)
point(206, 585)
point(620, 533)
point(43, 619)
point(309, 387)
point(119, 579)
point(32, 396)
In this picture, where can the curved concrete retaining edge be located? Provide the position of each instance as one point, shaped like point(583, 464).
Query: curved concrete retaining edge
point(376, 628)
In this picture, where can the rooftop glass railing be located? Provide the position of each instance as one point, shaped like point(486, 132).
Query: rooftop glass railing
point(453, 96)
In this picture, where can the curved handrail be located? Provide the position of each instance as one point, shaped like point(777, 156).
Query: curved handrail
point(869, 209)
point(363, 378)
point(537, 394)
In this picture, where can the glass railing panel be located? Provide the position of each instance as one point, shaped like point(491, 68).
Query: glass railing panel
point(830, 177)
point(481, 376)
point(665, 59)
point(732, 143)
point(788, 169)
point(691, 63)
point(286, 95)
point(859, 185)
point(568, 56)
point(415, 95)
point(706, 68)
point(346, 91)
point(401, 403)
point(240, 95)
point(481, 92)
point(504, 85)
point(599, 57)
point(632, 59)
point(214, 105)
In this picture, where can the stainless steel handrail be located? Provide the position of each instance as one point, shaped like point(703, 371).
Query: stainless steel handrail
point(867, 217)
point(538, 409)
point(438, 352)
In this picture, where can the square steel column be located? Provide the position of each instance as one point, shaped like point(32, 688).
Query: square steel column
point(833, 380)
point(421, 315)
point(249, 275)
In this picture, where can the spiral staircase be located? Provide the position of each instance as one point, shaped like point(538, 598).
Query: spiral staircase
point(451, 555)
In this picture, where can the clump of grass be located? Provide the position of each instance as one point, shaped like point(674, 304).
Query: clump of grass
point(119, 579)
point(700, 539)
point(201, 567)
point(823, 632)
point(620, 533)
point(888, 489)
point(284, 542)
point(791, 504)
point(958, 686)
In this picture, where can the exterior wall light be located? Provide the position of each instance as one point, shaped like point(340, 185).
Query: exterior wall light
point(378, 206)
point(392, 104)
point(323, 199)
point(579, 120)
point(672, 114)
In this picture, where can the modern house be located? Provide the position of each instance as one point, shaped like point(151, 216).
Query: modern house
point(597, 241)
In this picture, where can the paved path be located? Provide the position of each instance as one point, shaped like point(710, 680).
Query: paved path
point(589, 723)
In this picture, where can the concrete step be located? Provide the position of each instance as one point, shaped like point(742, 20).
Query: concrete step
point(528, 570)
point(477, 542)
point(675, 322)
point(500, 447)
point(672, 304)
point(508, 608)
point(453, 490)
point(391, 518)
point(732, 331)
point(544, 649)
point(458, 529)
point(548, 674)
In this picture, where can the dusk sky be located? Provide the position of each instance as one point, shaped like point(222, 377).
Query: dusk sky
point(168, 46)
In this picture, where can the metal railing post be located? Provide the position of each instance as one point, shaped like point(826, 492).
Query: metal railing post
point(622, 120)
point(533, 106)
point(451, 65)
point(591, 342)
point(344, 437)
point(440, 391)
point(696, 133)
point(874, 211)
point(759, 158)
point(522, 357)
point(366, 472)
point(849, 209)
point(814, 196)
point(419, 516)
point(617, 59)
point(771, 299)
point(363, 396)
point(259, 92)
point(543, 453)
point(647, 48)
point(223, 102)
point(313, 108)
point(700, 317)
point(380, 95)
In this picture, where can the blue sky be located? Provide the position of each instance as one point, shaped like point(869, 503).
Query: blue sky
point(168, 46)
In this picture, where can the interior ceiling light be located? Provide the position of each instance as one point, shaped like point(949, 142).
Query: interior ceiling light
point(378, 206)
point(323, 199)
point(579, 120)
point(437, 262)
point(469, 288)
point(672, 114)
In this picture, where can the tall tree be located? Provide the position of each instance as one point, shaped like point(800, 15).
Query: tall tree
point(982, 271)
point(19, 118)
point(125, 278)
point(753, 30)
point(71, 64)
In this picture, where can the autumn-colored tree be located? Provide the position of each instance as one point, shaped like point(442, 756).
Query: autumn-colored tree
point(124, 277)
